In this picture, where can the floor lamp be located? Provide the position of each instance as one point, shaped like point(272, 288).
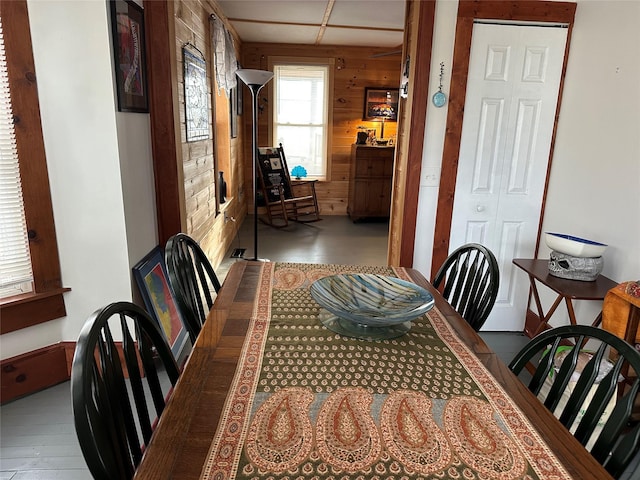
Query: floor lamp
point(255, 80)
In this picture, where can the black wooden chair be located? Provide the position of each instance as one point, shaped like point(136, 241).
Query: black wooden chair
point(114, 389)
point(283, 198)
point(471, 280)
point(618, 438)
point(192, 280)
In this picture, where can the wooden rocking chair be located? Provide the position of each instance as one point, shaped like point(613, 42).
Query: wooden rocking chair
point(284, 199)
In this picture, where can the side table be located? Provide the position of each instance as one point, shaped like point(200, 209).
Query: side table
point(567, 290)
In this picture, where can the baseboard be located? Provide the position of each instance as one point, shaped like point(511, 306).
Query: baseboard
point(35, 371)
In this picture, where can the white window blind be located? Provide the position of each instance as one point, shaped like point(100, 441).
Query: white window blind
point(15, 262)
point(300, 116)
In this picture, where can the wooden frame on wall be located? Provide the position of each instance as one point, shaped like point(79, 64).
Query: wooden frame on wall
point(196, 94)
point(381, 103)
point(127, 25)
point(233, 111)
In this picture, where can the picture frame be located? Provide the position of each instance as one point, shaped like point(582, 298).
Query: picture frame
point(233, 112)
point(151, 277)
point(196, 94)
point(381, 103)
point(240, 102)
point(129, 56)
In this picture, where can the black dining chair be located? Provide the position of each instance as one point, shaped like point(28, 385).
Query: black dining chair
point(118, 379)
point(569, 362)
point(192, 280)
point(471, 280)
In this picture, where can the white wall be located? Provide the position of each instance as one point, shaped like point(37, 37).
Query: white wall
point(99, 166)
point(595, 178)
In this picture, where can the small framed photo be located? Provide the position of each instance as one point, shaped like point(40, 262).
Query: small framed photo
point(127, 26)
point(381, 104)
point(151, 277)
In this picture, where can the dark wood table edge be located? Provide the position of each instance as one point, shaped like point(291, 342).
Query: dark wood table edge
point(171, 456)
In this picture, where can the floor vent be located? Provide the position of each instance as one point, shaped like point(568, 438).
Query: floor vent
point(238, 253)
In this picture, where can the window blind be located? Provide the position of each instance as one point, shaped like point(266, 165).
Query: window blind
point(15, 262)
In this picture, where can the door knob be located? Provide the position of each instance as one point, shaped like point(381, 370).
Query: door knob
point(480, 208)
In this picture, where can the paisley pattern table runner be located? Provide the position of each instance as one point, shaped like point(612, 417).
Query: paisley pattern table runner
point(307, 403)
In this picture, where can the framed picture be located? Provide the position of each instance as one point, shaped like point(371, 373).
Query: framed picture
point(381, 104)
point(196, 94)
point(233, 111)
point(127, 25)
point(240, 102)
point(151, 277)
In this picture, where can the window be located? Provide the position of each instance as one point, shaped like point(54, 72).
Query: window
point(300, 116)
point(15, 261)
point(45, 301)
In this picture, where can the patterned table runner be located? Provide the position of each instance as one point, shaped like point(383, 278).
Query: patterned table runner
point(308, 403)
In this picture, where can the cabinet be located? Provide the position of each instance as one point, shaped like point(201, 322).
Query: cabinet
point(370, 182)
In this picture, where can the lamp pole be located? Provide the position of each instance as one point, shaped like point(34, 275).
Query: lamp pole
point(255, 80)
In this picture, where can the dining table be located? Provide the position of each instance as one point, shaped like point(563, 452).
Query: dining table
point(268, 392)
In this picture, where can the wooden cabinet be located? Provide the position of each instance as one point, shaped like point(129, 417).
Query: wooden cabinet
point(370, 182)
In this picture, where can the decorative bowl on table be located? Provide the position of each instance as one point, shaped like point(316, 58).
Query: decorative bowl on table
point(369, 306)
point(574, 246)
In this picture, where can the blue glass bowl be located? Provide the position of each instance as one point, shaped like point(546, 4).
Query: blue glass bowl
point(369, 300)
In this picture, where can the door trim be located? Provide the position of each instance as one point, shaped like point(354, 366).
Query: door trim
point(468, 11)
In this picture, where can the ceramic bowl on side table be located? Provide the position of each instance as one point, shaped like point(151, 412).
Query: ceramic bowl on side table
point(574, 246)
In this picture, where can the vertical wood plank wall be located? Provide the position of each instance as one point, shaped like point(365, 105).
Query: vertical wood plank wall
point(201, 160)
point(354, 69)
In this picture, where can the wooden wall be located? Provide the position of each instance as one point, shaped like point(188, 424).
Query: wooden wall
point(354, 69)
point(201, 160)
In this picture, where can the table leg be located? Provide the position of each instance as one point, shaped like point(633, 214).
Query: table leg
point(544, 319)
point(536, 297)
point(632, 325)
point(572, 313)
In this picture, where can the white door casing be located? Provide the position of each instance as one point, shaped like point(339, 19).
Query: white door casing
point(512, 93)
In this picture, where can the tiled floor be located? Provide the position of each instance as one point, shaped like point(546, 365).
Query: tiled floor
point(37, 436)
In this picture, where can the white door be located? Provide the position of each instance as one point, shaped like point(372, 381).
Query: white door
point(512, 92)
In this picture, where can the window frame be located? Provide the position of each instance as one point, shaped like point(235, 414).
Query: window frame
point(327, 62)
point(46, 301)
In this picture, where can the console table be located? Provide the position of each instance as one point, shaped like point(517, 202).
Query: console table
point(567, 290)
point(370, 182)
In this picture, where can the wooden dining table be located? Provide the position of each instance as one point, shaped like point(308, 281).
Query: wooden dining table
point(181, 446)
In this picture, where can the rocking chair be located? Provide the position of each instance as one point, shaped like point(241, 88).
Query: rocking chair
point(283, 198)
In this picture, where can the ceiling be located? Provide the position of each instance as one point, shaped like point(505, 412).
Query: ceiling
point(371, 23)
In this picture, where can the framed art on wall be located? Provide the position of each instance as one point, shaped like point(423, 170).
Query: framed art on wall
point(127, 25)
point(196, 94)
point(233, 111)
point(381, 104)
point(151, 277)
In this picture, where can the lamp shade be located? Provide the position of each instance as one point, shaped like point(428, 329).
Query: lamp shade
point(254, 77)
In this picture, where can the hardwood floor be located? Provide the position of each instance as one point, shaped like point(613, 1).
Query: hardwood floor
point(37, 436)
